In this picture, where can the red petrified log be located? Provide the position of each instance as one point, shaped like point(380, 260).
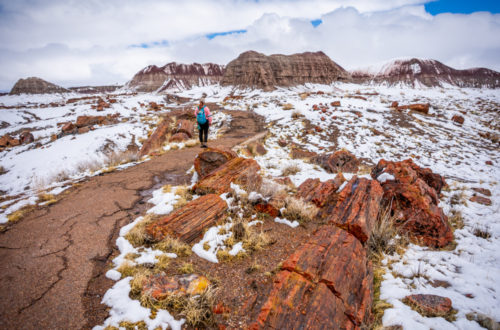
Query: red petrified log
point(242, 171)
point(156, 139)
point(327, 279)
point(458, 119)
point(188, 222)
point(185, 126)
point(210, 159)
point(413, 196)
point(313, 190)
point(429, 304)
point(420, 107)
point(357, 207)
point(179, 137)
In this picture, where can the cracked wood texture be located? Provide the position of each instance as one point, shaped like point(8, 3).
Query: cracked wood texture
point(242, 171)
point(210, 159)
point(317, 192)
point(357, 207)
point(158, 137)
point(188, 222)
point(325, 284)
point(53, 261)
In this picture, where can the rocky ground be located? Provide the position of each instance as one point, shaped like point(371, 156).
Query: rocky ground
point(255, 237)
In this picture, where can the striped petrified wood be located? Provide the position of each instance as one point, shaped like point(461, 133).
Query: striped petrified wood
point(210, 159)
point(357, 207)
point(188, 222)
point(156, 140)
point(185, 126)
point(325, 284)
point(242, 171)
point(317, 192)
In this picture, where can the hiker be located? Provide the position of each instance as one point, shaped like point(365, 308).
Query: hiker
point(204, 119)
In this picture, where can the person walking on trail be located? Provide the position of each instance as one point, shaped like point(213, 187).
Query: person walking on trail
point(204, 119)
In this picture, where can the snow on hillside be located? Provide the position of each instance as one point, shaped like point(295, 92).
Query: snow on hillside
point(365, 125)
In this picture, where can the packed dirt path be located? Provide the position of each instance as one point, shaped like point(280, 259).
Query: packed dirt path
point(53, 261)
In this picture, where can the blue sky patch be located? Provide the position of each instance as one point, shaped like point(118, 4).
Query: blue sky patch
point(462, 6)
point(152, 44)
point(210, 36)
point(316, 22)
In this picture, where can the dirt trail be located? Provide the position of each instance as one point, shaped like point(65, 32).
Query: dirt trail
point(52, 262)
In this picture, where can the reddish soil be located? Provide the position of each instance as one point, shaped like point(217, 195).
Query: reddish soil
point(53, 261)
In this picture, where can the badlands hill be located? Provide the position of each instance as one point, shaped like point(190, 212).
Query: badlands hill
point(253, 69)
point(175, 76)
point(430, 73)
point(34, 85)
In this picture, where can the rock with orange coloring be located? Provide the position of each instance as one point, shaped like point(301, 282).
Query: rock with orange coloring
point(9, 141)
point(356, 207)
point(483, 191)
point(299, 153)
point(323, 118)
point(394, 104)
point(179, 137)
point(82, 121)
point(185, 126)
point(68, 128)
point(481, 200)
point(156, 140)
point(317, 192)
point(267, 208)
point(335, 104)
point(413, 196)
point(160, 286)
point(188, 222)
point(210, 159)
point(242, 171)
point(26, 137)
point(339, 161)
point(310, 286)
point(419, 107)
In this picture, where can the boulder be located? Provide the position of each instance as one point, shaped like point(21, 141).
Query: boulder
point(26, 137)
point(188, 222)
point(256, 148)
point(156, 140)
point(299, 153)
point(419, 107)
point(83, 130)
point(68, 128)
point(267, 208)
point(310, 287)
point(9, 141)
point(429, 305)
point(413, 198)
point(317, 192)
point(179, 137)
point(339, 161)
point(185, 126)
point(481, 200)
point(82, 121)
point(458, 119)
point(483, 191)
point(356, 208)
point(282, 143)
point(242, 171)
point(210, 159)
point(394, 104)
point(335, 104)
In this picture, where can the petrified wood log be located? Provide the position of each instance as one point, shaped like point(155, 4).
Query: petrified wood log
point(413, 197)
point(325, 284)
point(339, 161)
point(185, 126)
point(179, 137)
point(242, 171)
point(188, 222)
point(210, 159)
point(356, 208)
point(156, 139)
point(317, 192)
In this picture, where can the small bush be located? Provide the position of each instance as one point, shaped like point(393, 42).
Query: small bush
point(290, 170)
point(482, 232)
point(297, 209)
point(137, 235)
point(137, 283)
point(297, 114)
point(186, 268)
point(166, 189)
point(456, 219)
point(255, 241)
point(163, 262)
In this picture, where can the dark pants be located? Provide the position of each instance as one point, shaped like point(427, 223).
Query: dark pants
point(203, 131)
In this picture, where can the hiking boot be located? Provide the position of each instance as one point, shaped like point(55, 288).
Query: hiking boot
point(204, 146)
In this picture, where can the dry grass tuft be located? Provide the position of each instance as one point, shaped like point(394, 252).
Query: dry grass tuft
point(172, 245)
point(290, 170)
point(137, 235)
point(482, 232)
point(298, 209)
point(19, 214)
point(137, 283)
point(287, 106)
point(297, 114)
point(456, 219)
point(121, 157)
point(163, 262)
point(127, 268)
point(131, 326)
point(48, 199)
point(255, 241)
point(191, 143)
point(186, 268)
point(166, 189)
point(184, 196)
point(378, 306)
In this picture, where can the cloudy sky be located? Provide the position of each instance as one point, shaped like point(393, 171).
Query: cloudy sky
point(97, 42)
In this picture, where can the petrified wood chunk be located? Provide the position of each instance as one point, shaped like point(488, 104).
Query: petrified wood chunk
point(210, 159)
point(179, 137)
point(185, 126)
point(413, 197)
point(481, 200)
point(325, 284)
point(188, 222)
point(339, 161)
point(429, 304)
point(317, 192)
point(420, 107)
point(357, 207)
point(242, 171)
point(156, 139)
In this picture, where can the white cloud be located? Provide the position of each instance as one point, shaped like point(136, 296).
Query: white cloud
point(88, 42)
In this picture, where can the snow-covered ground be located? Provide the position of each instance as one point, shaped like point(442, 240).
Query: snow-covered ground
point(369, 129)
